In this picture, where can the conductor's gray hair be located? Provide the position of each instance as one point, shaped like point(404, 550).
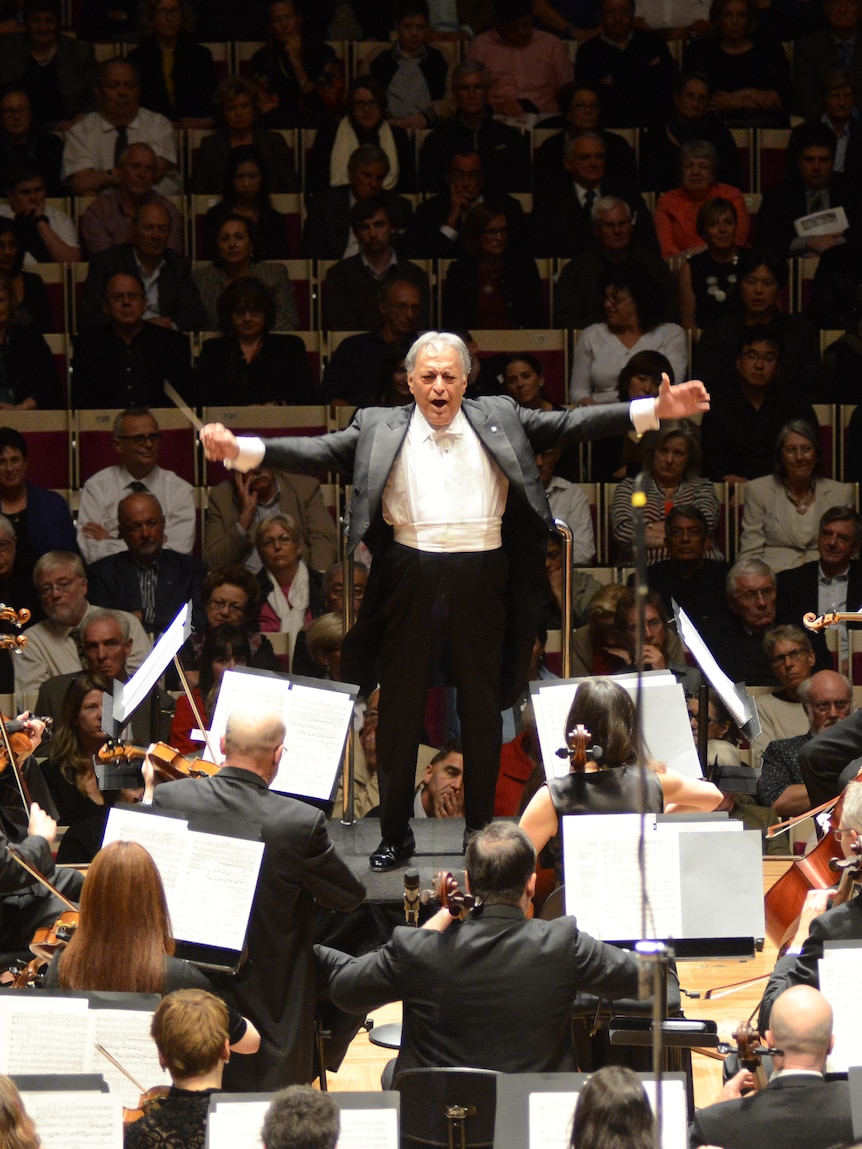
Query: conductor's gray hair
point(432, 340)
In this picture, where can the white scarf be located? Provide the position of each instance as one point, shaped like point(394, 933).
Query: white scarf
point(346, 144)
point(291, 608)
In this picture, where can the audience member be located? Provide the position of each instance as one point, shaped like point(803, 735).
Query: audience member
point(838, 45)
point(191, 1030)
point(562, 220)
point(811, 185)
point(687, 576)
point(32, 307)
point(237, 504)
point(137, 443)
point(244, 193)
point(23, 144)
point(354, 368)
point(762, 276)
point(781, 714)
point(109, 219)
point(235, 102)
point(527, 66)
point(797, 1106)
point(567, 501)
point(39, 518)
point(236, 259)
point(300, 75)
point(735, 635)
point(324, 638)
point(300, 1117)
point(660, 647)
point(640, 378)
point(327, 233)
point(45, 234)
point(147, 579)
point(690, 119)
point(594, 643)
point(225, 647)
point(840, 114)
point(249, 364)
point(178, 76)
point(582, 109)
point(53, 646)
point(291, 592)
point(95, 143)
point(630, 68)
point(440, 794)
point(125, 363)
point(477, 980)
point(300, 867)
point(782, 511)
point(707, 280)
point(412, 73)
point(364, 124)
point(57, 70)
point(749, 77)
point(350, 286)
point(740, 429)
point(504, 150)
point(171, 297)
point(676, 212)
point(633, 323)
point(494, 286)
point(578, 297)
point(835, 305)
point(29, 378)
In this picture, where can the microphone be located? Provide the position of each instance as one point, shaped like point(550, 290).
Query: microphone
point(411, 896)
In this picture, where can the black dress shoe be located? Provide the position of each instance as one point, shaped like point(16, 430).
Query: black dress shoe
point(389, 855)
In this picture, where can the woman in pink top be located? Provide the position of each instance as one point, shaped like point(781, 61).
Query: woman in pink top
point(676, 211)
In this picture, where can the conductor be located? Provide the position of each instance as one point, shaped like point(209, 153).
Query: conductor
point(448, 499)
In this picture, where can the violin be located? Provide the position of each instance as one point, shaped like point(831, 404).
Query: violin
point(47, 939)
point(811, 621)
point(18, 618)
point(21, 743)
point(169, 764)
point(578, 749)
point(749, 1051)
point(149, 1100)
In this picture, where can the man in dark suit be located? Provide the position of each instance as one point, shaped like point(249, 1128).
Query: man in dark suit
point(146, 579)
point(817, 923)
point(494, 991)
point(797, 1109)
point(276, 983)
point(837, 46)
point(327, 233)
point(562, 211)
point(172, 298)
point(735, 635)
point(125, 363)
point(811, 185)
point(448, 499)
point(831, 583)
point(687, 576)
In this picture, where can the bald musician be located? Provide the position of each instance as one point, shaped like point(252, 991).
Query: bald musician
point(447, 496)
point(797, 1109)
point(275, 985)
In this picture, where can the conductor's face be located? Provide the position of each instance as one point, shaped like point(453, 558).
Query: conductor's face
point(438, 384)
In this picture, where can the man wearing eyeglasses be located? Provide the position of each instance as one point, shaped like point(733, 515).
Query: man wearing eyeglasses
point(735, 636)
point(826, 697)
point(137, 442)
point(818, 923)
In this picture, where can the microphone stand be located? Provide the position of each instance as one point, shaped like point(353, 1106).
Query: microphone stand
point(348, 816)
point(563, 529)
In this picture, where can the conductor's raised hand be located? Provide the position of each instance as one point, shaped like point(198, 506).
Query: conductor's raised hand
point(682, 400)
point(219, 443)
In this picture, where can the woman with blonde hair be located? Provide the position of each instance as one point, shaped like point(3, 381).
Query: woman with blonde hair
point(17, 1130)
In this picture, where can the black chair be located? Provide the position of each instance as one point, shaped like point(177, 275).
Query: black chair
point(448, 1108)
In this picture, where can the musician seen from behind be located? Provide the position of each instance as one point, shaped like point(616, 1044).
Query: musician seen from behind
point(818, 923)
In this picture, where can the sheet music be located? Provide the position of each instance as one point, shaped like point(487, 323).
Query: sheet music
point(316, 720)
point(202, 873)
point(666, 726)
point(33, 1028)
point(128, 696)
point(235, 1124)
point(76, 1120)
point(551, 1116)
point(368, 1129)
point(125, 1034)
point(839, 984)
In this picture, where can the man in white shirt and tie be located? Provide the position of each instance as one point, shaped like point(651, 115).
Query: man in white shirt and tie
point(449, 501)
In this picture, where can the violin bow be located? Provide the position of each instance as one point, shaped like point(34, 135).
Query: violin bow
point(36, 873)
point(194, 706)
point(118, 1065)
point(23, 788)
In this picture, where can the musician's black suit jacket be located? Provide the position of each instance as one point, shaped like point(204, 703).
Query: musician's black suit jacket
point(275, 987)
point(495, 991)
point(793, 1112)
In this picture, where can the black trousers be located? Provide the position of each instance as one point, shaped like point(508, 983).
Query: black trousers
point(432, 609)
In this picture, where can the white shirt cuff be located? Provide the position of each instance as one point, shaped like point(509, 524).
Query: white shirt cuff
point(448, 231)
point(252, 449)
point(642, 413)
